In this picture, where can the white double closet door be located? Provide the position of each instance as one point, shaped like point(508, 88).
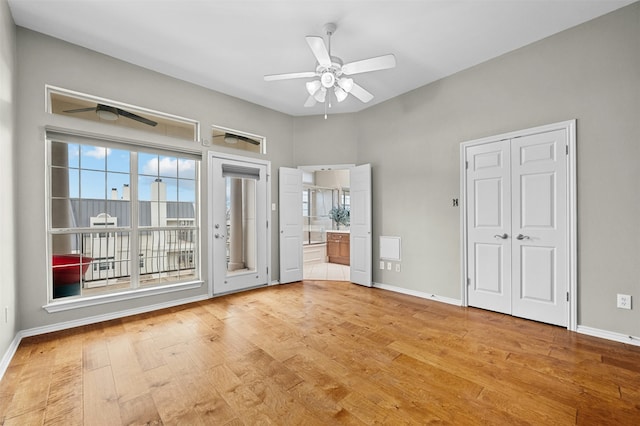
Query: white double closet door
point(516, 223)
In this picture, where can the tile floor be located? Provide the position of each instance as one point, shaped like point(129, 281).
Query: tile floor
point(326, 271)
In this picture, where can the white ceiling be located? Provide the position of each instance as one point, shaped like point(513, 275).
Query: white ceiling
point(228, 46)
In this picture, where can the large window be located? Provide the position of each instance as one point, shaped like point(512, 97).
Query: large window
point(122, 218)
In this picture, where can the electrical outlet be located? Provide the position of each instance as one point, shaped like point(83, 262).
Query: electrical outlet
point(388, 266)
point(397, 267)
point(382, 264)
point(624, 301)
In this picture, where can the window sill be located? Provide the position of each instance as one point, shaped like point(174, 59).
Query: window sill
point(77, 303)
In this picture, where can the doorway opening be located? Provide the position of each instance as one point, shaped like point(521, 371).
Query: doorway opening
point(326, 212)
point(292, 229)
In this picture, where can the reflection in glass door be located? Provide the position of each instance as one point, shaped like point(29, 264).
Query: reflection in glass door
point(241, 225)
point(238, 209)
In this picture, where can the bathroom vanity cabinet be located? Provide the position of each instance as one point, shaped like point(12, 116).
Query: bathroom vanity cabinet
point(338, 247)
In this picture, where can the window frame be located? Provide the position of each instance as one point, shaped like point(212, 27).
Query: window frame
point(135, 290)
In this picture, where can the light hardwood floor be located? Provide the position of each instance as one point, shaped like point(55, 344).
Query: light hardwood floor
point(318, 353)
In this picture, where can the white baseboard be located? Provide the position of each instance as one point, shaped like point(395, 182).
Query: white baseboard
point(420, 294)
point(8, 355)
point(11, 351)
point(609, 335)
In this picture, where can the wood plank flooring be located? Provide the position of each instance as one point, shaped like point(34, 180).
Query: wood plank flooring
point(320, 353)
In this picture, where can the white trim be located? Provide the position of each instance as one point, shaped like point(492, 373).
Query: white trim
point(572, 230)
point(10, 353)
point(420, 294)
point(609, 335)
point(110, 316)
point(65, 305)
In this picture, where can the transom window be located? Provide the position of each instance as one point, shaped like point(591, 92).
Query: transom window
point(238, 140)
point(87, 107)
point(121, 218)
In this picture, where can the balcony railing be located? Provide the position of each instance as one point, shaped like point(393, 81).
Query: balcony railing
point(163, 256)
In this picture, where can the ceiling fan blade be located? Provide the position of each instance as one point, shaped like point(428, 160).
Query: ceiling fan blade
point(319, 50)
point(287, 76)
point(136, 117)
point(372, 64)
point(81, 109)
point(311, 101)
point(361, 93)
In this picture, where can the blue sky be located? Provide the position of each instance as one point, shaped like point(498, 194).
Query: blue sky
point(93, 171)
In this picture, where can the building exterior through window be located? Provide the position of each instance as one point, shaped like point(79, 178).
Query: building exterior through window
point(121, 219)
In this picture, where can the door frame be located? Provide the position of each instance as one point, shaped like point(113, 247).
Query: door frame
point(572, 236)
point(210, 229)
point(312, 168)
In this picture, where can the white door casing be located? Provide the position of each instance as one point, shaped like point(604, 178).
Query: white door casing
point(522, 186)
point(222, 280)
point(360, 243)
point(290, 205)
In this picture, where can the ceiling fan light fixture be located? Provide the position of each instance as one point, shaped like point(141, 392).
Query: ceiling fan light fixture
point(313, 87)
point(346, 84)
point(341, 95)
point(320, 95)
point(328, 79)
point(106, 112)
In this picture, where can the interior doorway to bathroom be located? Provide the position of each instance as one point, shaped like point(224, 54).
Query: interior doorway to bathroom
point(326, 208)
point(357, 236)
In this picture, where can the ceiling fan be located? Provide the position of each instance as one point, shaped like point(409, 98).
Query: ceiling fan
point(332, 71)
point(111, 113)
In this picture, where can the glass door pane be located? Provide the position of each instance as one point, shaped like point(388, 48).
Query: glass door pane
point(241, 225)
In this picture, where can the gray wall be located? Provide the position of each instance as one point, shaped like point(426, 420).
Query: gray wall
point(45, 60)
point(317, 141)
point(8, 139)
point(590, 73)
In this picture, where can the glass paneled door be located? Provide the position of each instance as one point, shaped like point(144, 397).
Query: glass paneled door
point(239, 224)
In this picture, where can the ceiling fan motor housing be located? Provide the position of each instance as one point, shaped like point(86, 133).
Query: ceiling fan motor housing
point(328, 79)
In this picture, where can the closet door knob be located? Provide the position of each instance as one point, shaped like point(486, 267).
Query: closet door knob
point(522, 237)
point(503, 236)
